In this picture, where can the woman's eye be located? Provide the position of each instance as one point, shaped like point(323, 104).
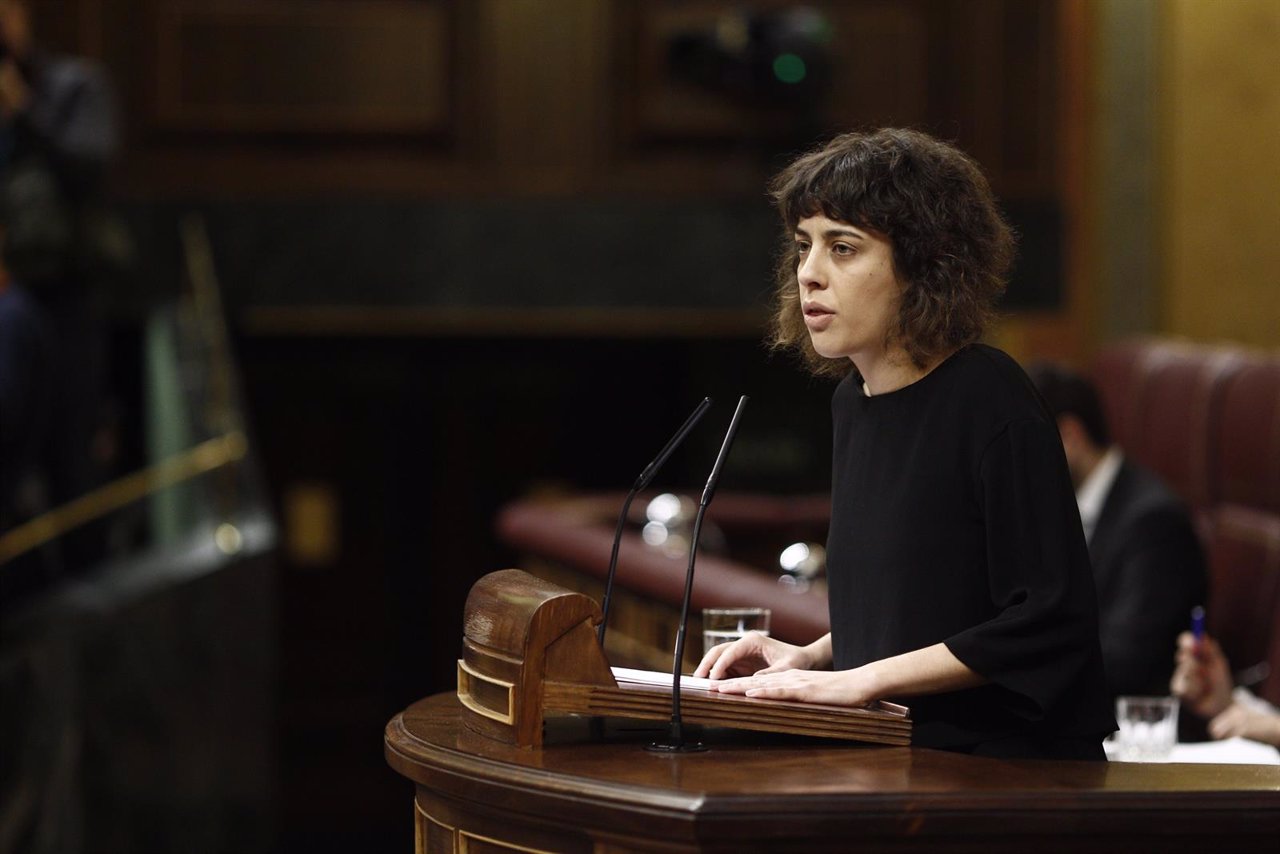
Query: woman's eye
point(802, 247)
point(843, 249)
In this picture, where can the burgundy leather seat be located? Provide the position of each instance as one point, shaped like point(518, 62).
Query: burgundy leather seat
point(1176, 394)
point(1244, 603)
point(1116, 370)
point(1246, 443)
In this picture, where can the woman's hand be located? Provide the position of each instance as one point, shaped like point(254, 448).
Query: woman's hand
point(834, 688)
point(790, 673)
point(1239, 720)
point(753, 654)
point(1202, 678)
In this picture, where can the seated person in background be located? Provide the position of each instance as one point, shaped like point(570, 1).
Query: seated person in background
point(1202, 680)
point(1148, 566)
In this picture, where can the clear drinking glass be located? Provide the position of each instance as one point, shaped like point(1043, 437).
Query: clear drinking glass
point(1148, 728)
point(720, 625)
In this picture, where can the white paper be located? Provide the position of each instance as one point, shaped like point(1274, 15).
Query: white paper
point(657, 677)
point(1231, 750)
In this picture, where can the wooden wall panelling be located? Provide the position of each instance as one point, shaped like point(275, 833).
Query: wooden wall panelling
point(1066, 333)
point(1033, 55)
point(669, 134)
point(879, 61)
point(968, 88)
point(68, 26)
point(515, 97)
point(272, 66)
point(996, 87)
point(543, 82)
point(217, 143)
point(882, 64)
point(661, 105)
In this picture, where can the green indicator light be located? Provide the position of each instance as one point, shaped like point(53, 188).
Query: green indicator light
point(789, 68)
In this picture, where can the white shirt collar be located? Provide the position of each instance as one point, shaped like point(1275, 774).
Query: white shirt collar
point(1092, 494)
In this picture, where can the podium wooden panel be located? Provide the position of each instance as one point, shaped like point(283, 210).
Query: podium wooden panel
point(529, 650)
point(593, 788)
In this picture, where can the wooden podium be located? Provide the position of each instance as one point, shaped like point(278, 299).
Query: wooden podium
point(497, 768)
point(529, 651)
point(596, 790)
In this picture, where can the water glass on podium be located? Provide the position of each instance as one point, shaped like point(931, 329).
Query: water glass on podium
point(1148, 728)
point(721, 625)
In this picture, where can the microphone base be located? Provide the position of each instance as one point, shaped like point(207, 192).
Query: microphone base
point(674, 742)
point(675, 747)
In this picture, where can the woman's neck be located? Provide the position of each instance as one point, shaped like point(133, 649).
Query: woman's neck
point(894, 370)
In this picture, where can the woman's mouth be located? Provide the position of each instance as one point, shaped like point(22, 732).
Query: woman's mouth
point(817, 317)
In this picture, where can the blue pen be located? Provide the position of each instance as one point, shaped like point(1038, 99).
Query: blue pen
point(1197, 623)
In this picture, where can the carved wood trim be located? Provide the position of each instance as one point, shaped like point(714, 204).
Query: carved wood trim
point(469, 681)
point(423, 821)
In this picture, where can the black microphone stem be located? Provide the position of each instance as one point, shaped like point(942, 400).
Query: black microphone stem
point(675, 735)
point(641, 482)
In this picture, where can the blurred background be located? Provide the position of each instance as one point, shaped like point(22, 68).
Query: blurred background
point(361, 272)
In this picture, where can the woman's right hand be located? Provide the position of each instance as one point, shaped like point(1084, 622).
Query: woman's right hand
point(1202, 679)
point(753, 654)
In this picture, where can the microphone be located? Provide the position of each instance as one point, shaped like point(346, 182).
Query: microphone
point(675, 742)
point(641, 482)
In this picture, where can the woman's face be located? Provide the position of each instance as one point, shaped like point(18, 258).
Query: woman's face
point(849, 292)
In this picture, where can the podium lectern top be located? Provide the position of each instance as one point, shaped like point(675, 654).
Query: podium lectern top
point(529, 649)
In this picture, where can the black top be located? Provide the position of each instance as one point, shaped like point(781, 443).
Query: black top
point(954, 520)
point(1150, 572)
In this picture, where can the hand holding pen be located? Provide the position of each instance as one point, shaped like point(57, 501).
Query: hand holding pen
point(1202, 677)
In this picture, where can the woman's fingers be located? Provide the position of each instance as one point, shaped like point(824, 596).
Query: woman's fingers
point(737, 685)
point(798, 685)
point(713, 655)
point(1228, 724)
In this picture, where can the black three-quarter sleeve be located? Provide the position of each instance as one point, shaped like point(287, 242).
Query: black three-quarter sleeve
point(1041, 589)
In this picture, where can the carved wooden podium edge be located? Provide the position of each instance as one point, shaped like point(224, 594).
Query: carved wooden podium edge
point(529, 650)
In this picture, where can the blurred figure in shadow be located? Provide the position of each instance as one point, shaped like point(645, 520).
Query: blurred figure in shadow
point(26, 357)
point(1202, 680)
point(57, 136)
point(1148, 565)
point(39, 731)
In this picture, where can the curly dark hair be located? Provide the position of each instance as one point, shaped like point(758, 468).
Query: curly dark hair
point(951, 245)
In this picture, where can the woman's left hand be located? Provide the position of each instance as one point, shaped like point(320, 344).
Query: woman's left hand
point(834, 688)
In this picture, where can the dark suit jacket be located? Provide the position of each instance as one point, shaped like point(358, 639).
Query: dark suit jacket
point(1150, 572)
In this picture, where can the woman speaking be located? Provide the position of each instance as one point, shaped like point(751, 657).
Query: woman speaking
point(958, 574)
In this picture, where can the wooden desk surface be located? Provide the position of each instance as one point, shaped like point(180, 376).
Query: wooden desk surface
point(592, 787)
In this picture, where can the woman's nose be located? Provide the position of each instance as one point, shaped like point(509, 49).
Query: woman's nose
point(810, 272)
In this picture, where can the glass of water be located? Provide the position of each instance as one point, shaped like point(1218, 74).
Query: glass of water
point(1148, 728)
point(721, 625)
